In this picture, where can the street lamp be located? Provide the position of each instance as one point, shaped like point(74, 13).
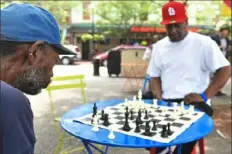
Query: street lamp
point(93, 26)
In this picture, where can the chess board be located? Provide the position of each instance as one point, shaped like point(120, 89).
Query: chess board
point(155, 113)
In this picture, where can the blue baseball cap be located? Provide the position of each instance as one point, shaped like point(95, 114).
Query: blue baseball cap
point(29, 23)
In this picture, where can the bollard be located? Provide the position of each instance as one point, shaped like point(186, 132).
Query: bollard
point(96, 65)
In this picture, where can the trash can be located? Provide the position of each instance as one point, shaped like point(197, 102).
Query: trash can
point(96, 65)
point(114, 63)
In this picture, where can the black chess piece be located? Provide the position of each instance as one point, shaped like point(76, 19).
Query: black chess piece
point(154, 128)
point(127, 110)
point(126, 126)
point(137, 129)
point(132, 116)
point(147, 129)
point(94, 110)
point(106, 120)
point(127, 115)
point(164, 132)
point(146, 115)
point(169, 102)
point(139, 117)
point(102, 115)
point(169, 129)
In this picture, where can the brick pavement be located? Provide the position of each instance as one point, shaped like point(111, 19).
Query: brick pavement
point(222, 119)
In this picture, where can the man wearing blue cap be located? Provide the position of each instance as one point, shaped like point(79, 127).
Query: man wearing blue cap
point(29, 49)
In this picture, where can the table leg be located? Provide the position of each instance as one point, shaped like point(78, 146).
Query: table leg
point(179, 149)
point(169, 150)
point(88, 149)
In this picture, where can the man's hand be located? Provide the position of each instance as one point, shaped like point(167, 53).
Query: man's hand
point(193, 98)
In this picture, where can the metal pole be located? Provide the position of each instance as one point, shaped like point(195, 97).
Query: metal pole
point(93, 29)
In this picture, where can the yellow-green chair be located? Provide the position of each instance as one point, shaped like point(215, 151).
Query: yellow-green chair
point(80, 85)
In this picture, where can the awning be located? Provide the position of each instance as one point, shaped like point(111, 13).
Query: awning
point(226, 8)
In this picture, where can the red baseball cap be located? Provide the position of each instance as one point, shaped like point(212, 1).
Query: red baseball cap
point(173, 12)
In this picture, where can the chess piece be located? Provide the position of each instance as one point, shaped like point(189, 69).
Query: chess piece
point(169, 129)
point(175, 106)
point(102, 115)
point(155, 103)
point(137, 129)
point(139, 117)
point(191, 109)
point(127, 113)
point(169, 102)
point(111, 135)
point(182, 107)
point(154, 128)
point(146, 115)
point(94, 110)
point(164, 132)
point(95, 124)
point(106, 120)
point(132, 116)
point(140, 95)
point(126, 126)
point(147, 129)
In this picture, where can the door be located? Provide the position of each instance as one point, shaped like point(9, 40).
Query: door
point(85, 50)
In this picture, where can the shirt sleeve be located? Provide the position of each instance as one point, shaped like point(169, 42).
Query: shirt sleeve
point(17, 130)
point(154, 69)
point(212, 58)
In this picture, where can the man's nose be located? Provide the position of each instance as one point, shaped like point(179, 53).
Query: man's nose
point(173, 30)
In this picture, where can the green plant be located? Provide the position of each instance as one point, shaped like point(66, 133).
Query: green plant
point(86, 37)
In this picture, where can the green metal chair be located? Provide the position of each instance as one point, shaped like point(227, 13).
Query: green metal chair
point(61, 135)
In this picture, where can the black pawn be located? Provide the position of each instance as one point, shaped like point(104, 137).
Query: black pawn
point(106, 120)
point(137, 129)
point(147, 129)
point(126, 126)
point(169, 129)
point(131, 117)
point(164, 132)
point(154, 128)
point(146, 115)
point(94, 110)
point(169, 102)
point(139, 117)
point(102, 115)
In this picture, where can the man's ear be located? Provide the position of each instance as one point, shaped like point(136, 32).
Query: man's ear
point(34, 52)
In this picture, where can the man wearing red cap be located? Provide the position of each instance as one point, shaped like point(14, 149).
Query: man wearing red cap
point(181, 64)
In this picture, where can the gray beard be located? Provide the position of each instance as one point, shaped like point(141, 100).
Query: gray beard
point(32, 81)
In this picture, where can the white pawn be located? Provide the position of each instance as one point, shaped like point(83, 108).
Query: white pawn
point(191, 109)
point(95, 124)
point(111, 135)
point(155, 102)
point(175, 106)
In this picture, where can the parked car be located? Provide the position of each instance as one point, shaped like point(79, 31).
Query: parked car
point(104, 56)
point(70, 59)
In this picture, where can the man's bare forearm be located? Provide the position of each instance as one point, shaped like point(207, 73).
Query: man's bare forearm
point(156, 87)
point(219, 80)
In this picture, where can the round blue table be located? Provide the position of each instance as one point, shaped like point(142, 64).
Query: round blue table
point(196, 131)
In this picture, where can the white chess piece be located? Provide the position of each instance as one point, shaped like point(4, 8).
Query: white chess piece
point(191, 109)
point(111, 135)
point(126, 102)
point(175, 106)
point(155, 102)
point(140, 95)
point(95, 124)
point(182, 107)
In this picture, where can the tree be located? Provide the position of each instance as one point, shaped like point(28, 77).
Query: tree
point(123, 14)
point(60, 9)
